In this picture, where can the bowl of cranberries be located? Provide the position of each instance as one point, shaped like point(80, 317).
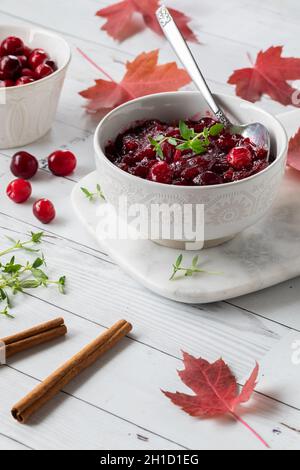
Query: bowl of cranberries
point(33, 65)
point(169, 149)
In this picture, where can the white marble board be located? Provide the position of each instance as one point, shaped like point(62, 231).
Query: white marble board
point(260, 257)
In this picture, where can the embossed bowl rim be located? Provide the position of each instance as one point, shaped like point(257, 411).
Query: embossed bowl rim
point(47, 33)
point(100, 152)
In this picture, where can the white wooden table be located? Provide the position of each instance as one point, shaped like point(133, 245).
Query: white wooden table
point(118, 403)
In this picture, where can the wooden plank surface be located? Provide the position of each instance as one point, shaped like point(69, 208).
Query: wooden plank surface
point(118, 403)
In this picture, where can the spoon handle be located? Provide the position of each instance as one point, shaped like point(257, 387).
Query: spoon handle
point(184, 53)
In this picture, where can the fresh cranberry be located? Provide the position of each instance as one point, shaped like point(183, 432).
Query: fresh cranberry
point(24, 81)
point(12, 45)
point(19, 190)
point(6, 83)
point(161, 173)
point(37, 57)
point(51, 64)
point(44, 211)
point(240, 158)
point(23, 60)
point(27, 51)
point(24, 165)
point(26, 72)
point(42, 71)
point(10, 66)
point(62, 162)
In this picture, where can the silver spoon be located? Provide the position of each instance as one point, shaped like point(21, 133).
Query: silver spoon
point(256, 132)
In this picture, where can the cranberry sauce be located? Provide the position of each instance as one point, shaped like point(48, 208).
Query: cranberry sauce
point(191, 153)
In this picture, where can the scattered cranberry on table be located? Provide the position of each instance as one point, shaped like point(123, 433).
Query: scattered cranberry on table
point(18, 62)
point(44, 211)
point(225, 158)
point(62, 162)
point(24, 165)
point(19, 190)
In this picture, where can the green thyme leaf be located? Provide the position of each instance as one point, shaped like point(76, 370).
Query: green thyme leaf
point(198, 147)
point(185, 131)
point(216, 129)
point(91, 196)
point(16, 277)
point(172, 141)
point(189, 271)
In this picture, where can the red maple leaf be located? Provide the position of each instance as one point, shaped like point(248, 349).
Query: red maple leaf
point(270, 75)
point(216, 390)
point(143, 77)
point(122, 22)
point(294, 152)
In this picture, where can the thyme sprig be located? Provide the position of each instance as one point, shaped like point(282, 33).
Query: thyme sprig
point(189, 271)
point(17, 277)
point(190, 140)
point(91, 196)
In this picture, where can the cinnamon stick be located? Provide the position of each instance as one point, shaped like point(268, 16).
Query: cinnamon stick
point(46, 390)
point(33, 337)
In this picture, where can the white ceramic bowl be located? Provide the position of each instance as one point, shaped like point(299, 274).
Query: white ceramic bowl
point(27, 112)
point(229, 208)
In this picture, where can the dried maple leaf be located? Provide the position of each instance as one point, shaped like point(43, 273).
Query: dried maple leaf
point(294, 152)
point(216, 390)
point(122, 22)
point(270, 75)
point(143, 76)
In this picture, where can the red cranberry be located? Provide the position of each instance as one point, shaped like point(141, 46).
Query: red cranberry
point(27, 51)
point(19, 190)
point(148, 153)
point(261, 154)
point(51, 64)
point(226, 142)
point(168, 151)
point(23, 60)
point(26, 72)
point(37, 57)
point(43, 71)
point(228, 176)
point(130, 145)
point(24, 81)
point(44, 211)
point(240, 158)
point(161, 173)
point(24, 165)
point(10, 66)
point(6, 83)
point(12, 45)
point(62, 162)
point(177, 156)
point(209, 178)
point(190, 173)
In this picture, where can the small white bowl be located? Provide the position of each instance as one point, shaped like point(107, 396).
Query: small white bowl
point(228, 208)
point(27, 112)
